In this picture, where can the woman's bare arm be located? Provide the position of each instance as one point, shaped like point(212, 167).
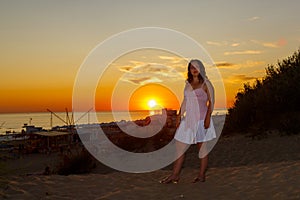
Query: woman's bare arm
point(210, 103)
point(181, 112)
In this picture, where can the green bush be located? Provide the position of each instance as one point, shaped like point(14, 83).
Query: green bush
point(276, 95)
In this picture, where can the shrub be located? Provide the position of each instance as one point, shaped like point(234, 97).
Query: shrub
point(276, 95)
point(78, 163)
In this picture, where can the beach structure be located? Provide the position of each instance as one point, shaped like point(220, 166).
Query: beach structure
point(48, 141)
point(171, 118)
point(30, 129)
point(36, 139)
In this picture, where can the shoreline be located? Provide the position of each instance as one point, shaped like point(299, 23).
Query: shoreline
point(8, 124)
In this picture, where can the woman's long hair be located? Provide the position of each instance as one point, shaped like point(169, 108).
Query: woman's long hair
point(201, 76)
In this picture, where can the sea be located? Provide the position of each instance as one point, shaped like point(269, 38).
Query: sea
point(13, 122)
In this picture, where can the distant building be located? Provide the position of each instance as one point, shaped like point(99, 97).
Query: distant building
point(31, 129)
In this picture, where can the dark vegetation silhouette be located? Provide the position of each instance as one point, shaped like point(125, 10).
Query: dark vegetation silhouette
point(78, 163)
point(272, 103)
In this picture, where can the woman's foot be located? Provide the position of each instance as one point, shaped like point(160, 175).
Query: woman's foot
point(170, 179)
point(199, 179)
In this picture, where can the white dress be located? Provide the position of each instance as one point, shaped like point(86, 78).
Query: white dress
point(191, 129)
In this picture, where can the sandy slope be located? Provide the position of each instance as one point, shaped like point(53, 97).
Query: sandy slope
point(239, 168)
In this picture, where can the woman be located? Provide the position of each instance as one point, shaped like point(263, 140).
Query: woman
point(196, 126)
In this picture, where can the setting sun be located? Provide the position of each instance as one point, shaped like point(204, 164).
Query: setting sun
point(152, 103)
point(153, 96)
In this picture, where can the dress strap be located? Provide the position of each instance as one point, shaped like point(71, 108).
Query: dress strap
point(203, 84)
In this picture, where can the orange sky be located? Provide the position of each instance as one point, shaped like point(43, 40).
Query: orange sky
point(139, 76)
point(35, 100)
point(139, 98)
point(161, 95)
point(43, 45)
point(120, 84)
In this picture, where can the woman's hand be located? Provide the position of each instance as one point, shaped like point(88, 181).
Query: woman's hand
point(207, 119)
point(207, 122)
point(178, 119)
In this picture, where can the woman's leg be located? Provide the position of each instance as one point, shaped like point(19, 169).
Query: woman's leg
point(203, 166)
point(204, 163)
point(180, 150)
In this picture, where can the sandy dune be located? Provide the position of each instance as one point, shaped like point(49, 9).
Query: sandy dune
point(239, 168)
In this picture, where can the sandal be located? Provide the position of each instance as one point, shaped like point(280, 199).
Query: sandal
point(199, 179)
point(168, 180)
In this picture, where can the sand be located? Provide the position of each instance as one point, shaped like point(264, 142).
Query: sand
point(240, 167)
point(276, 181)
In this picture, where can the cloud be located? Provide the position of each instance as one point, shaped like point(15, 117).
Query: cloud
point(173, 59)
point(149, 73)
point(125, 68)
point(213, 43)
point(167, 57)
point(178, 63)
point(255, 68)
point(246, 52)
point(136, 63)
point(224, 64)
point(255, 18)
point(270, 44)
point(143, 80)
point(224, 43)
point(241, 78)
point(279, 43)
point(235, 44)
point(153, 68)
